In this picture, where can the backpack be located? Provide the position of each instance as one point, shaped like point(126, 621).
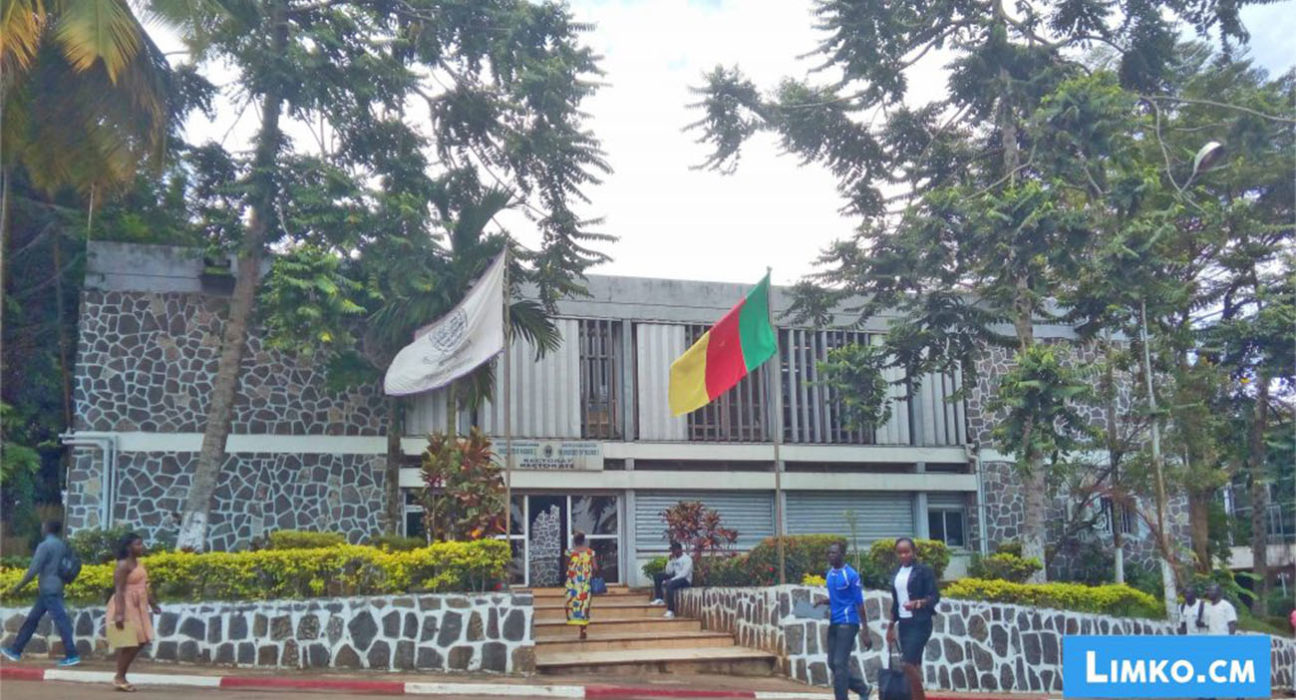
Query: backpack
point(69, 566)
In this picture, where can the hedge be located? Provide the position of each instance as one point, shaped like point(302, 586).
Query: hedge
point(1113, 599)
point(804, 555)
point(933, 553)
point(1004, 566)
point(305, 539)
point(296, 573)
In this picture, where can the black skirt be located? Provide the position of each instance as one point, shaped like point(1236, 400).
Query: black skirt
point(913, 633)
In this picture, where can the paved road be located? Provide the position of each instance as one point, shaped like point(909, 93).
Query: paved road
point(52, 690)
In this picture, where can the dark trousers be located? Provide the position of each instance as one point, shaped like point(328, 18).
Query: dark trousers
point(664, 589)
point(51, 603)
point(841, 642)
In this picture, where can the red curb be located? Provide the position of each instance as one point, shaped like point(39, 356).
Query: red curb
point(22, 674)
point(375, 687)
point(615, 692)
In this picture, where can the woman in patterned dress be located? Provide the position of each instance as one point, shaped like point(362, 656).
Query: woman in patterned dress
point(130, 605)
point(582, 567)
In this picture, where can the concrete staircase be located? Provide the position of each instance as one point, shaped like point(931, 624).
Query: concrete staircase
point(628, 636)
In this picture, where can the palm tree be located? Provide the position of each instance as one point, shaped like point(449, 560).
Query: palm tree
point(85, 95)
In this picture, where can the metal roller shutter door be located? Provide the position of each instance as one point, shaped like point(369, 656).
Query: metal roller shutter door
point(823, 512)
point(751, 513)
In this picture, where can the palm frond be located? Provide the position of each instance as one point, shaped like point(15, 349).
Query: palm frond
point(88, 31)
point(22, 23)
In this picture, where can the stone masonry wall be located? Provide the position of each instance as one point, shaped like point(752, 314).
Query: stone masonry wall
point(975, 646)
point(489, 633)
point(147, 362)
point(256, 493)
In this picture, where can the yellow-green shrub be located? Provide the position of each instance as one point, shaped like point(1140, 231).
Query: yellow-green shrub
point(296, 573)
point(305, 539)
point(1118, 600)
point(813, 580)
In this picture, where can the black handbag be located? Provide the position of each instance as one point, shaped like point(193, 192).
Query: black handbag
point(892, 683)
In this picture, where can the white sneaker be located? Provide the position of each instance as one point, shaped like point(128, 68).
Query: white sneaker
point(669, 615)
point(659, 601)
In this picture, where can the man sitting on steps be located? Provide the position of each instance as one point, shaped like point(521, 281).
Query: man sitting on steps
point(678, 574)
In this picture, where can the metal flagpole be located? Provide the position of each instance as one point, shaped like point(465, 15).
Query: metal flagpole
point(508, 410)
point(776, 421)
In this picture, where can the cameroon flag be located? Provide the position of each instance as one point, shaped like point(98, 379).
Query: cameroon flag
point(738, 344)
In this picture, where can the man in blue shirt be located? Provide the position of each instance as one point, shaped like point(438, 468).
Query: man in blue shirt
point(49, 596)
point(846, 603)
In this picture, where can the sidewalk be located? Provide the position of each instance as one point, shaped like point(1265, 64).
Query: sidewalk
point(391, 683)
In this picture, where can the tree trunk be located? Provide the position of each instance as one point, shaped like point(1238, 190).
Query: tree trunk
point(1199, 520)
point(1257, 464)
point(220, 412)
point(391, 471)
point(1113, 459)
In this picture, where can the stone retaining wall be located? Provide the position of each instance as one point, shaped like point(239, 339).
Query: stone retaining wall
point(975, 646)
point(489, 633)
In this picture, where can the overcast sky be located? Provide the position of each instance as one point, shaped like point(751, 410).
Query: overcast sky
point(676, 222)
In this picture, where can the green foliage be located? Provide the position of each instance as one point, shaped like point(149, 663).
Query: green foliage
point(15, 561)
point(803, 554)
point(1117, 600)
point(97, 545)
point(698, 529)
point(654, 566)
point(1040, 399)
point(852, 374)
point(305, 539)
point(731, 571)
point(933, 553)
point(1146, 578)
point(463, 495)
point(1004, 567)
point(310, 302)
point(344, 570)
point(396, 543)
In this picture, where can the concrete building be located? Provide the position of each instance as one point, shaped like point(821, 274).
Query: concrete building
point(597, 449)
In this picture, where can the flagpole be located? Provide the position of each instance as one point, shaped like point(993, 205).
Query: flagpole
point(776, 420)
point(508, 411)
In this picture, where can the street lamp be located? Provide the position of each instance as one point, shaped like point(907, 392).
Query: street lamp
point(1207, 157)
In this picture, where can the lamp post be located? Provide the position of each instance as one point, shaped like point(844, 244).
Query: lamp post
point(1207, 156)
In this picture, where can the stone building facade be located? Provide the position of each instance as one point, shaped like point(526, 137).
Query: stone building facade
point(304, 456)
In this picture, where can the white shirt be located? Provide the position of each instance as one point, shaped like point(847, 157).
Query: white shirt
point(902, 590)
point(681, 568)
point(1188, 616)
point(1218, 616)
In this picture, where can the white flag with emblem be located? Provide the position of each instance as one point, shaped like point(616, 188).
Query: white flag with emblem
point(455, 344)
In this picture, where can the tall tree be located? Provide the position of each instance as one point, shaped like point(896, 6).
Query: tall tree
point(1204, 257)
point(500, 82)
point(981, 222)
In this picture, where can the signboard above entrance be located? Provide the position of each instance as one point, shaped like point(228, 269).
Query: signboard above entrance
point(552, 455)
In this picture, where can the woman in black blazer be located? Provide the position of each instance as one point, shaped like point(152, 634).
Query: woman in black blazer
point(914, 596)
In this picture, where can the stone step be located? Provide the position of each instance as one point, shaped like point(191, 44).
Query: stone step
point(612, 594)
point(735, 661)
point(619, 641)
point(620, 625)
point(558, 611)
point(562, 590)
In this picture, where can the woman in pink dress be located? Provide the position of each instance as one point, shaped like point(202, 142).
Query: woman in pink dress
point(130, 605)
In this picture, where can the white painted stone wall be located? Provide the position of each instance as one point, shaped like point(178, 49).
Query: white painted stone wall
point(975, 646)
point(489, 633)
